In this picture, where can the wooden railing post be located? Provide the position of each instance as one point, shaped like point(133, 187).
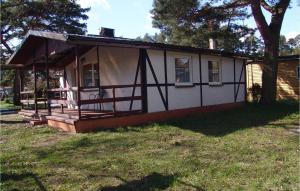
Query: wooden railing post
point(114, 101)
point(35, 90)
point(78, 81)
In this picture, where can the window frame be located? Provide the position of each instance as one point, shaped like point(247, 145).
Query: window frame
point(190, 63)
point(211, 83)
point(94, 83)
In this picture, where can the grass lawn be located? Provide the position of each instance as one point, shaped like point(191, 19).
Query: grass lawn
point(5, 105)
point(251, 148)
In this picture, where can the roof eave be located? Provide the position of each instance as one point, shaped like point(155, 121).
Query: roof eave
point(40, 34)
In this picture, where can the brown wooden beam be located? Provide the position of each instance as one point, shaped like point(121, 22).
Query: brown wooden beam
point(110, 100)
point(234, 80)
point(35, 89)
point(236, 94)
point(78, 80)
point(47, 76)
point(166, 80)
point(155, 79)
point(135, 82)
point(99, 76)
point(144, 91)
point(245, 80)
point(200, 75)
point(21, 85)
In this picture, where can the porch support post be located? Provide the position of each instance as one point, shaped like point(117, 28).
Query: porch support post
point(99, 81)
point(21, 86)
point(144, 92)
point(47, 77)
point(65, 78)
point(17, 87)
point(78, 81)
point(35, 89)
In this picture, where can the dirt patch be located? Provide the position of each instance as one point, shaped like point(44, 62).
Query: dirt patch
point(49, 141)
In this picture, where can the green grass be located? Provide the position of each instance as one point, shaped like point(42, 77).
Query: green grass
point(7, 105)
point(251, 148)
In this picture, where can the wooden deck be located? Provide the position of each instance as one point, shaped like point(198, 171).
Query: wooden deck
point(71, 115)
point(93, 120)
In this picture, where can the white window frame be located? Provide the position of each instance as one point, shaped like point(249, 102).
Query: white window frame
point(190, 82)
point(93, 74)
point(219, 61)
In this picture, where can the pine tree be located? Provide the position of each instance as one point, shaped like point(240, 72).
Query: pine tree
point(20, 16)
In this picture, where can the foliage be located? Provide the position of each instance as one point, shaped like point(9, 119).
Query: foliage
point(193, 23)
point(256, 92)
point(255, 151)
point(289, 46)
point(157, 37)
point(7, 104)
point(20, 16)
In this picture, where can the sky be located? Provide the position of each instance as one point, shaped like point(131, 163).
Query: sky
point(132, 18)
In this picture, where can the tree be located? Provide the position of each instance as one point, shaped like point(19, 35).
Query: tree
point(153, 38)
point(20, 16)
point(270, 32)
point(290, 46)
point(182, 24)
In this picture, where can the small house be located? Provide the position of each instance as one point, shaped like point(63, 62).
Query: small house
point(108, 81)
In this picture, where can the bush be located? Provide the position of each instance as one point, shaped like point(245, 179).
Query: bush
point(256, 92)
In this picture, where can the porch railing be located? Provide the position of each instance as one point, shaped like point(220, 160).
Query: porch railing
point(59, 97)
point(28, 98)
point(114, 99)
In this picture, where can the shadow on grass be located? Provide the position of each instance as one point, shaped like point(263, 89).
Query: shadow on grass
point(226, 122)
point(18, 177)
point(5, 122)
point(154, 181)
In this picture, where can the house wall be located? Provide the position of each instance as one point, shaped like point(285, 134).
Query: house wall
point(189, 96)
point(287, 81)
point(118, 67)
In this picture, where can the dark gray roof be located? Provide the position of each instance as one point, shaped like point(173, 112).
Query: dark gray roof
point(118, 41)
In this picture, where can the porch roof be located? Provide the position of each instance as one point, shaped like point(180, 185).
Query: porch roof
point(34, 39)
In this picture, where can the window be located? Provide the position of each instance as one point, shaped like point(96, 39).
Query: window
point(298, 72)
point(214, 73)
point(90, 75)
point(182, 70)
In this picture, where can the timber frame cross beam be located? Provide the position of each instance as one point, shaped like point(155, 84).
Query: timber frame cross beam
point(236, 92)
point(156, 80)
point(143, 59)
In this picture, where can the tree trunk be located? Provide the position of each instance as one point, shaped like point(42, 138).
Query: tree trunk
point(269, 75)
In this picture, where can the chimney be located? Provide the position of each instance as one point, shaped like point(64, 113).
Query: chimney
point(107, 32)
point(212, 43)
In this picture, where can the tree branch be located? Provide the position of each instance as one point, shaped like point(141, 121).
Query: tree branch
point(266, 6)
point(260, 20)
point(278, 14)
point(6, 45)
